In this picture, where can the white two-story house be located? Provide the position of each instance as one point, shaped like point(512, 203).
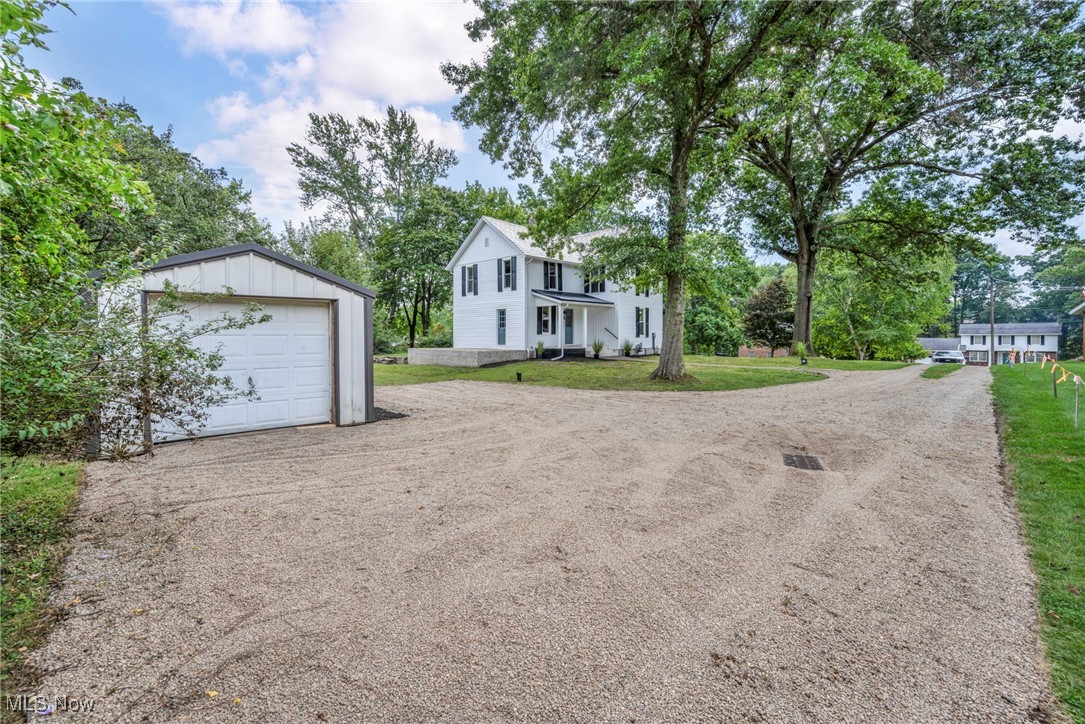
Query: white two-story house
point(1031, 341)
point(509, 294)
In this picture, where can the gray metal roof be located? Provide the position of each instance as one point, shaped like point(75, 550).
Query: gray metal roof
point(1013, 328)
point(937, 343)
point(571, 297)
point(196, 257)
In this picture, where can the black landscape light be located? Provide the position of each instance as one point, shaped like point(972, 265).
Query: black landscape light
point(519, 377)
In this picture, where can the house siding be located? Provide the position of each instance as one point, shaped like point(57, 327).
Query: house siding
point(475, 315)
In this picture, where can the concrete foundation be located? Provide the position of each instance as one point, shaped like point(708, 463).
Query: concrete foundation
point(450, 357)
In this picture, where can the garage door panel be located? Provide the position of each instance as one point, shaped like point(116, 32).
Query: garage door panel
point(270, 345)
point(271, 380)
point(270, 412)
point(287, 358)
point(230, 415)
point(232, 346)
point(312, 409)
point(310, 345)
point(310, 377)
point(310, 315)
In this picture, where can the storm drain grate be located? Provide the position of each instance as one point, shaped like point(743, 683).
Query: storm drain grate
point(803, 462)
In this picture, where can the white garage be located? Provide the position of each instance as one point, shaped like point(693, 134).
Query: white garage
point(311, 363)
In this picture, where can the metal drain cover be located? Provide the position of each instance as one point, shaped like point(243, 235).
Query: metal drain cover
point(803, 462)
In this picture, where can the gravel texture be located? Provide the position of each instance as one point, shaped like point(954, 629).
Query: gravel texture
point(526, 553)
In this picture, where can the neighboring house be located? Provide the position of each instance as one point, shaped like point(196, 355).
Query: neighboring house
point(508, 294)
point(1031, 340)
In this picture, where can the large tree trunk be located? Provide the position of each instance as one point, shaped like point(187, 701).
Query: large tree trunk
point(805, 262)
point(672, 365)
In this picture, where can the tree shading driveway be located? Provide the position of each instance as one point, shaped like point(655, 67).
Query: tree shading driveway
point(543, 553)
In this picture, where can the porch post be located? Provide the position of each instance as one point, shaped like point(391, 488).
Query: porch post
point(584, 330)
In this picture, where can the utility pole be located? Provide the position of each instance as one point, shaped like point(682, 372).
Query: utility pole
point(991, 353)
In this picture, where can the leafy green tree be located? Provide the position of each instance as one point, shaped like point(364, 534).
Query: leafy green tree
point(69, 363)
point(876, 310)
point(370, 172)
point(410, 256)
point(195, 208)
point(972, 280)
point(933, 118)
point(768, 315)
point(1056, 280)
point(326, 247)
point(629, 94)
point(718, 294)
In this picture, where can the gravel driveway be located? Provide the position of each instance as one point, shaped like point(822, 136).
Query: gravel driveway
point(516, 553)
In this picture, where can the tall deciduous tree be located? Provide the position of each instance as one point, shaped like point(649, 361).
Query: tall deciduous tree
point(1056, 281)
point(410, 255)
point(877, 310)
point(717, 295)
point(196, 207)
point(768, 315)
point(629, 93)
point(370, 172)
point(938, 112)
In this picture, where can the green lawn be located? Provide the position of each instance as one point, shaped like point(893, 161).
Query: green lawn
point(823, 363)
point(592, 375)
point(37, 498)
point(938, 371)
point(1047, 463)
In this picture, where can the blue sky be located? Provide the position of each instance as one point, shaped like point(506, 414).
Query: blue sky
point(237, 80)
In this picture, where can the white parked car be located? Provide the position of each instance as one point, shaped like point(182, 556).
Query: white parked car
point(947, 355)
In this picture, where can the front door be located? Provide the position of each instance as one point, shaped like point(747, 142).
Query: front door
point(568, 326)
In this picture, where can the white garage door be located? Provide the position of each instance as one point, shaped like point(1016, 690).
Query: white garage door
point(288, 359)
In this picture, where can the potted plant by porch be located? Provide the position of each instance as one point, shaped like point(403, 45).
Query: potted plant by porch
point(539, 349)
point(627, 347)
point(597, 347)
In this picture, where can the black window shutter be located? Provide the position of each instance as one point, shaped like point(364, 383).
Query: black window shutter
point(513, 262)
point(463, 281)
point(476, 280)
point(553, 320)
point(538, 320)
point(546, 275)
point(500, 273)
point(646, 325)
point(559, 277)
point(603, 284)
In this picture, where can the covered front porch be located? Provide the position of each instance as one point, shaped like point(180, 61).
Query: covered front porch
point(580, 320)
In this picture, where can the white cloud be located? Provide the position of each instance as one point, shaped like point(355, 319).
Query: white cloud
point(349, 58)
point(268, 26)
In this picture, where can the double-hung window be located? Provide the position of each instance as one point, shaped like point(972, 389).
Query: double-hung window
point(546, 319)
point(506, 274)
point(593, 284)
point(642, 321)
point(552, 275)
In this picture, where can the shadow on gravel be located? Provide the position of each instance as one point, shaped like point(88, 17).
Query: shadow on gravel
point(383, 414)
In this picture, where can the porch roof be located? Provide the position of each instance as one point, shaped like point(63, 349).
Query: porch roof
point(571, 297)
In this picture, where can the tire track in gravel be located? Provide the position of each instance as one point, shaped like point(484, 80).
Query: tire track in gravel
point(512, 552)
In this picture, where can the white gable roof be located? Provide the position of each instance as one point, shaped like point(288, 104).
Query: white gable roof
point(517, 235)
